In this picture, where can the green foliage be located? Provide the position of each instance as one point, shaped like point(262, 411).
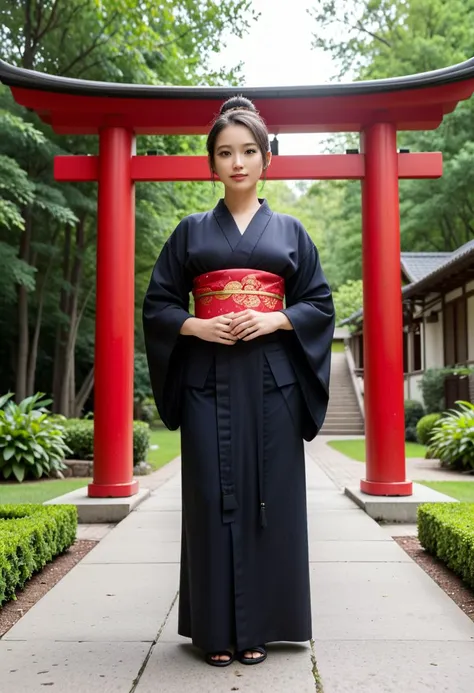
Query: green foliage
point(424, 427)
point(348, 299)
point(388, 38)
point(141, 441)
point(446, 530)
point(13, 272)
point(31, 442)
point(30, 537)
point(452, 440)
point(432, 386)
point(149, 412)
point(142, 386)
point(413, 413)
point(48, 229)
point(79, 435)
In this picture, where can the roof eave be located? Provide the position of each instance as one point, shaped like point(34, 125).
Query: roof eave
point(14, 76)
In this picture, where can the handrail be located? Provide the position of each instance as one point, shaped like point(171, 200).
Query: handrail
point(355, 382)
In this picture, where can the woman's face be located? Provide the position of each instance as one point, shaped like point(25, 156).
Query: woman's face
point(237, 158)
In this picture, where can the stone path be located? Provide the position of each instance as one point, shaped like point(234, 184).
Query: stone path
point(381, 625)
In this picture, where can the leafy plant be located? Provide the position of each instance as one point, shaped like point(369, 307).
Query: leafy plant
point(31, 442)
point(413, 413)
point(452, 440)
point(424, 427)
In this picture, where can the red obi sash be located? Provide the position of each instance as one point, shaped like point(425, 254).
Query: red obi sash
point(234, 290)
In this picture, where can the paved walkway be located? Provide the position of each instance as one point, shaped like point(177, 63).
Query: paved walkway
point(381, 625)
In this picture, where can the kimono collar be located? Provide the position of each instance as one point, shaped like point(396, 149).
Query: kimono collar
point(244, 242)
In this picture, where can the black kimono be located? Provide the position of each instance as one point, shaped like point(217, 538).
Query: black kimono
point(243, 411)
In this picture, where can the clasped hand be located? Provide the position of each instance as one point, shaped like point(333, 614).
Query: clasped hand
point(245, 326)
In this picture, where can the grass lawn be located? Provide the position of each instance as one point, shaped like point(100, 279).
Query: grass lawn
point(43, 490)
point(461, 490)
point(38, 491)
point(169, 447)
point(337, 347)
point(355, 449)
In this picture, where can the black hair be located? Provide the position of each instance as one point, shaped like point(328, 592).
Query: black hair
point(238, 110)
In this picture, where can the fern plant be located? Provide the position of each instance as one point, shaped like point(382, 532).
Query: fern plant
point(452, 439)
point(31, 441)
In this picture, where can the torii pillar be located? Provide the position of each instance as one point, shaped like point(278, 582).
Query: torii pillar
point(383, 318)
point(118, 112)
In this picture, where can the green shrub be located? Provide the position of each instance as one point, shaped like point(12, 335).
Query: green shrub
point(452, 441)
point(150, 412)
point(425, 426)
point(31, 536)
point(32, 443)
point(446, 530)
point(413, 413)
point(79, 434)
point(432, 387)
point(141, 441)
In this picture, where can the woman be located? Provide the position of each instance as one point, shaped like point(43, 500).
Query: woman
point(246, 379)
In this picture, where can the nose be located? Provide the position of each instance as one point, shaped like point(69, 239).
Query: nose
point(238, 162)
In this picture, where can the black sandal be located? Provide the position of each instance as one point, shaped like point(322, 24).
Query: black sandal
point(219, 662)
point(252, 660)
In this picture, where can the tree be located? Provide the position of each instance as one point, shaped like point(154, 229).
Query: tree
point(48, 230)
point(348, 299)
point(371, 39)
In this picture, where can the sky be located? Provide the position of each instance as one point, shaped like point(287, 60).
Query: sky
point(277, 52)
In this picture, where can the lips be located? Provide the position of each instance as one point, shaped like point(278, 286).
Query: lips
point(239, 176)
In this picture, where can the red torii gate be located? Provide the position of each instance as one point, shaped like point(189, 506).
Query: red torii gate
point(117, 112)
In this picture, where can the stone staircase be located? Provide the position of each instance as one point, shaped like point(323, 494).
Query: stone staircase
point(343, 417)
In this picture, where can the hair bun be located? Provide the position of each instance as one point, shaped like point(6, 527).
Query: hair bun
point(239, 103)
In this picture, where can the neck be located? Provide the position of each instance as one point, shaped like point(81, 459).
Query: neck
point(240, 202)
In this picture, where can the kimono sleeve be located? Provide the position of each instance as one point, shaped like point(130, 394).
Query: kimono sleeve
point(310, 309)
point(165, 309)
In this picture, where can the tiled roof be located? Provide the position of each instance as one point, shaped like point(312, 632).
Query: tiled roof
point(418, 265)
point(456, 261)
point(445, 264)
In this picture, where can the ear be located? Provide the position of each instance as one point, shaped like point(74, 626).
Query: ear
point(268, 161)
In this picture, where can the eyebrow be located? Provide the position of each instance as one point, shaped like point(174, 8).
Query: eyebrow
point(229, 146)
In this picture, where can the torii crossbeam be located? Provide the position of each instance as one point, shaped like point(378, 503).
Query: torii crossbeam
point(118, 112)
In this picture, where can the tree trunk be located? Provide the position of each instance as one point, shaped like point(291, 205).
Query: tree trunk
point(23, 332)
point(84, 393)
point(66, 396)
point(72, 385)
point(60, 334)
point(27, 59)
point(39, 316)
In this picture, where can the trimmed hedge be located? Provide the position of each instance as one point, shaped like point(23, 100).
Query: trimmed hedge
point(79, 437)
point(446, 530)
point(31, 535)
